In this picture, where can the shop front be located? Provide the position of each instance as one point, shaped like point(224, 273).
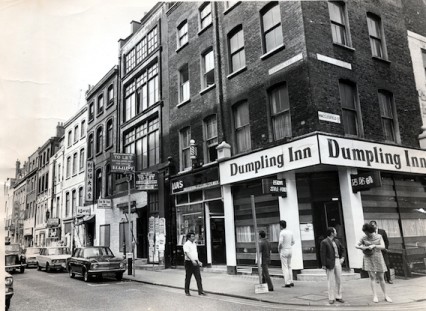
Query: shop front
point(199, 209)
point(320, 172)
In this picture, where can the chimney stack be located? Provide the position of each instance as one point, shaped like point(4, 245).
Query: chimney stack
point(17, 168)
point(60, 130)
point(134, 26)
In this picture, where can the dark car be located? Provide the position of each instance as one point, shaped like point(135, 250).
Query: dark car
point(96, 261)
point(9, 289)
point(14, 259)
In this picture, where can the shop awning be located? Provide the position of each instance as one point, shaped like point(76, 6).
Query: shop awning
point(88, 219)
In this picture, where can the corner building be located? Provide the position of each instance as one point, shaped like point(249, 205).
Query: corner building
point(310, 92)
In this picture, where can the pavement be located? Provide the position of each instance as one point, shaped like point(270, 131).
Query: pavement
point(405, 293)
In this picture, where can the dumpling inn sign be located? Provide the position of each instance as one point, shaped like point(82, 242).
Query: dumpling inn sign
point(323, 149)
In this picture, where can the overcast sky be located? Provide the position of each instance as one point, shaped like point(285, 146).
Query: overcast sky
point(50, 51)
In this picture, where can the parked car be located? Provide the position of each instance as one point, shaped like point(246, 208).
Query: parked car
point(96, 261)
point(14, 259)
point(9, 289)
point(31, 256)
point(53, 258)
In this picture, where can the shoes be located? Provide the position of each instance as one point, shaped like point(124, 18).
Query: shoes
point(202, 294)
point(331, 302)
point(188, 294)
point(387, 298)
point(375, 300)
point(390, 282)
point(340, 300)
point(292, 284)
point(287, 285)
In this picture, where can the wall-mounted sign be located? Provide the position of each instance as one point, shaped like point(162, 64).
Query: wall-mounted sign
point(365, 181)
point(147, 181)
point(274, 187)
point(89, 181)
point(123, 162)
point(206, 179)
point(329, 117)
point(104, 203)
point(83, 210)
point(52, 222)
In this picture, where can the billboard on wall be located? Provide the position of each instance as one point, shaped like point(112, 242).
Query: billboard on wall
point(89, 181)
point(123, 162)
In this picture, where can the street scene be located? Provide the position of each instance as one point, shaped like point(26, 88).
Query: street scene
point(225, 155)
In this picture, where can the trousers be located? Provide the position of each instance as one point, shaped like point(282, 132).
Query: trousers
point(285, 256)
point(190, 270)
point(334, 281)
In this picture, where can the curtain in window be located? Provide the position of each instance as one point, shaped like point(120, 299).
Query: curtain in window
point(244, 234)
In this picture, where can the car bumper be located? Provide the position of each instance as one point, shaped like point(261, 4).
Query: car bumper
point(61, 265)
point(12, 267)
point(106, 271)
point(31, 263)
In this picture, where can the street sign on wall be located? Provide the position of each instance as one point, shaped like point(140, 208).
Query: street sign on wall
point(104, 203)
point(274, 186)
point(123, 162)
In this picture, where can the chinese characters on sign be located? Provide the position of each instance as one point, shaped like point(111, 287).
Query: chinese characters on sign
point(89, 181)
point(122, 162)
point(365, 181)
point(83, 210)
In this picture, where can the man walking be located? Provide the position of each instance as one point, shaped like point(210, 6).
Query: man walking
point(284, 248)
point(384, 251)
point(332, 256)
point(192, 264)
point(265, 255)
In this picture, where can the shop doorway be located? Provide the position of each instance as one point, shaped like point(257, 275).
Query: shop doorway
point(217, 226)
point(142, 234)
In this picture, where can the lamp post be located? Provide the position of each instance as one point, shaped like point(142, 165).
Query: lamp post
point(129, 260)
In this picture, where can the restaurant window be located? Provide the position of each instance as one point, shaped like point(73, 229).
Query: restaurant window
point(280, 112)
point(184, 140)
point(271, 27)
point(104, 235)
point(242, 127)
point(210, 139)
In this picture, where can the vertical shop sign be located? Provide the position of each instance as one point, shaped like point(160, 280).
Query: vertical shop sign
point(89, 181)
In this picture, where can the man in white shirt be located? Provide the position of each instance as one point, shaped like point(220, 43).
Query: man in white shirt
point(285, 249)
point(192, 264)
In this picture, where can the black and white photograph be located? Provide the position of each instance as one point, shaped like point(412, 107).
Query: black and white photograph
point(213, 155)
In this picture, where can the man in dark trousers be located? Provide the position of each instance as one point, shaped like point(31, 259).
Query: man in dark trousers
point(192, 264)
point(332, 256)
point(265, 255)
point(384, 251)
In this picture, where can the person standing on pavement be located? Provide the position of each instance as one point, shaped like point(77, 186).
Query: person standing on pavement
point(384, 251)
point(371, 245)
point(265, 257)
point(332, 256)
point(285, 249)
point(192, 264)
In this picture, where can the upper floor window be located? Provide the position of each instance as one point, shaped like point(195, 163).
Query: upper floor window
point(387, 112)
point(69, 140)
point(280, 112)
point(73, 201)
point(99, 139)
point(67, 204)
point(90, 146)
point(108, 180)
point(100, 104)
point(83, 128)
point(109, 133)
point(230, 4)
point(210, 139)
point(375, 30)
point(130, 60)
point(184, 83)
point(237, 53)
point(271, 27)
point(76, 133)
point(147, 88)
point(424, 60)
point(129, 102)
point(184, 142)
point(242, 127)
point(110, 94)
point(68, 167)
point(98, 184)
point(80, 196)
point(208, 68)
point(91, 111)
point(350, 108)
point(74, 163)
point(141, 51)
point(81, 159)
point(182, 33)
point(339, 23)
point(205, 15)
point(152, 40)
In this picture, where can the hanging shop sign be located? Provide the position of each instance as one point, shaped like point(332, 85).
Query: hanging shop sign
point(123, 162)
point(365, 181)
point(147, 181)
point(191, 182)
point(83, 210)
point(104, 203)
point(89, 181)
point(52, 222)
point(274, 187)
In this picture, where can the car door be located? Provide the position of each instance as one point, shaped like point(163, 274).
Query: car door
point(42, 258)
point(79, 261)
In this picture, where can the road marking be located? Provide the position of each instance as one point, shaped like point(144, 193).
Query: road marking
point(96, 285)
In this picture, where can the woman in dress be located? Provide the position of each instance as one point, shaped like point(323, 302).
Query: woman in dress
point(371, 245)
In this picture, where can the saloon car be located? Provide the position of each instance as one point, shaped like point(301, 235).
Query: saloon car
point(14, 259)
point(9, 289)
point(53, 258)
point(96, 261)
point(31, 256)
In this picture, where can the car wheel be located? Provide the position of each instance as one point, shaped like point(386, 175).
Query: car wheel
point(22, 269)
point(47, 267)
point(72, 275)
point(119, 276)
point(86, 276)
point(38, 267)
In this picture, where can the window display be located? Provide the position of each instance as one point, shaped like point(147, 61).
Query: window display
point(190, 218)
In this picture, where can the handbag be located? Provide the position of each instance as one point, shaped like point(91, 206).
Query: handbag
point(367, 252)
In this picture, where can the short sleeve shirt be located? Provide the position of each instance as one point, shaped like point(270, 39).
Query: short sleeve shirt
point(191, 249)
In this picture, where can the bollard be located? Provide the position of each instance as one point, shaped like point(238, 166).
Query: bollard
point(129, 266)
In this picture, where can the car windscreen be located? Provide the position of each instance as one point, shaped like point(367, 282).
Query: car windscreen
point(58, 251)
point(13, 248)
point(32, 251)
point(97, 251)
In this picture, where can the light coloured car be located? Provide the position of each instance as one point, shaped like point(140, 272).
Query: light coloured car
point(31, 256)
point(53, 258)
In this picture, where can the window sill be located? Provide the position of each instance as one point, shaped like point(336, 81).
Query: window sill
point(185, 171)
point(73, 175)
point(210, 163)
point(91, 120)
point(204, 29)
point(82, 137)
point(183, 103)
point(75, 142)
point(181, 47)
point(270, 53)
point(231, 7)
point(81, 171)
point(344, 46)
point(98, 153)
point(111, 103)
point(235, 73)
point(207, 89)
point(109, 147)
point(381, 59)
point(100, 113)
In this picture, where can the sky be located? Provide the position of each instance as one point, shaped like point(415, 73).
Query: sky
point(50, 51)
